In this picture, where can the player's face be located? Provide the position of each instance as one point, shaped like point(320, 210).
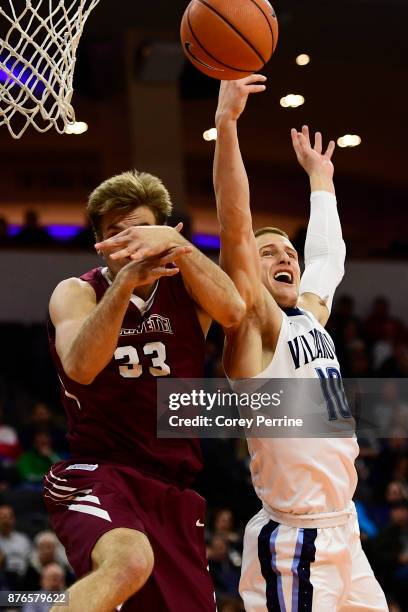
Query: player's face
point(280, 268)
point(114, 223)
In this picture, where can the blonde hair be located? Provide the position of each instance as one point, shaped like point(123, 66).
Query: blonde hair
point(127, 191)
point(270, 230)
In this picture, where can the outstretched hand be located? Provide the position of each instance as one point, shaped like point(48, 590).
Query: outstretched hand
point(312, 159)
point(234, 95)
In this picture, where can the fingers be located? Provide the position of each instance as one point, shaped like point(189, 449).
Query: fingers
point(252, 78)
point(304, 142)
point(162, 271)
point(256, 88)
point(295, 141)
point(175, 254)
point(179, 227)
point(330, 149)
point(143, 253)
point(305, 132)
point(253, 83)
point(318, 143)
point(122, 254)
point(115, 241)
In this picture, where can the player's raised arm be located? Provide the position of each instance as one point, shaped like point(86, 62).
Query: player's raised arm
point(87, 332)
point(239, 251)
point(325, 249)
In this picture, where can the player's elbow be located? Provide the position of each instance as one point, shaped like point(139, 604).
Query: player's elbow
point(234, 315)
point(79, 373)
point(337, 260)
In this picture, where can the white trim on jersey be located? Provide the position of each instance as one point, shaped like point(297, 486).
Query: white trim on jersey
point(70, 395)
point(141, 304)
point(103, 514)
point(88, 498)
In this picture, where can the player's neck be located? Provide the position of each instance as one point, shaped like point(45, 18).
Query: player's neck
point(143, 292)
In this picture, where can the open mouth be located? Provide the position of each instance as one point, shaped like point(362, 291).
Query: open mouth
point(284, 277)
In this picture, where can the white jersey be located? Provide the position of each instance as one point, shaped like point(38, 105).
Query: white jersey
point(303, 475)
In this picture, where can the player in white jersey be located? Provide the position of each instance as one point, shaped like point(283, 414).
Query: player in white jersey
point(302, 551)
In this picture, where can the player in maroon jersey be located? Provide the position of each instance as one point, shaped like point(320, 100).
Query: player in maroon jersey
point(122, 507)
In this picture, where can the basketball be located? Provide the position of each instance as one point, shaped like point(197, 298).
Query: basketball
point(229, 39)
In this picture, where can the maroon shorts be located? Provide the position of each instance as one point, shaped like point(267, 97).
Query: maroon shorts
point(85, 501)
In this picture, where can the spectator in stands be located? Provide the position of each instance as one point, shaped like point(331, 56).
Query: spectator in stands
point(384, 332)
point(32, 233)
point(34, 463)
point(395, 492)
point(391, 553)
point(4, 584)
point(396, 366)
point(52, 579)
point(358, 361)
point(391, 411)
point(10, 448)
point(224, 572)
point(47, 549)
point(393, 606)
point(343, 315)
point(85, 239)
point(225, 528)
point(5, 239)
point(383, 348)
point(232, 605)
point(15, 546)
point(42, 420)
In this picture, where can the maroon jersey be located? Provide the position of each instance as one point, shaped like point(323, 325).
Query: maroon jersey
point(114, 418)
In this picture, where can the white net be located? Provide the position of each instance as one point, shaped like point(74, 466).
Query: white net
point(38, 45)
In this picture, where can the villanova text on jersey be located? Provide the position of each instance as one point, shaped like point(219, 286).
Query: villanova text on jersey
point(306, 348)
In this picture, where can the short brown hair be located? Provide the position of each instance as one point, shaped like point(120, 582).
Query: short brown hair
point(127, 191)
point(270, 230)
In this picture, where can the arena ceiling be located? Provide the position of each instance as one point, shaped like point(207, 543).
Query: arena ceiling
point(356, 83)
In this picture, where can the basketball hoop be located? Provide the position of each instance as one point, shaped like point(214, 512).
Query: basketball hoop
point(38, 48)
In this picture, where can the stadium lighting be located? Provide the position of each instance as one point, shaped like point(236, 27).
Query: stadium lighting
point(292, 101)
point(210, 134)
point(78, 127)
point(349, 140)
point(303, 59)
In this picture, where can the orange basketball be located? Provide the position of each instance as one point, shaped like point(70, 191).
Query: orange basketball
point(229, 39)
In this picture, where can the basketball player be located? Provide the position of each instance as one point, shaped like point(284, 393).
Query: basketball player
point(302, 551)
point(122, 507)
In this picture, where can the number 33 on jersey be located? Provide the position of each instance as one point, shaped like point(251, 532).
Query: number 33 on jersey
point(130, 366)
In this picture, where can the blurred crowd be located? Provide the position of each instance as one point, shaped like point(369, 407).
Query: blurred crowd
point(32, 438)
point(32, 233)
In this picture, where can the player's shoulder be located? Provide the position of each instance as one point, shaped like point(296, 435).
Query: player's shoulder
point(68, 295)
point(72, 286)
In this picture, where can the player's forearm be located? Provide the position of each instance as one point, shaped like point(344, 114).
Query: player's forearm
point(230, 181)
point(96, 341)
point(212, 289)
point(239, 255)
point(325, 250)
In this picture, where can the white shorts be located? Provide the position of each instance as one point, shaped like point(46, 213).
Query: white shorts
point(308, 568)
